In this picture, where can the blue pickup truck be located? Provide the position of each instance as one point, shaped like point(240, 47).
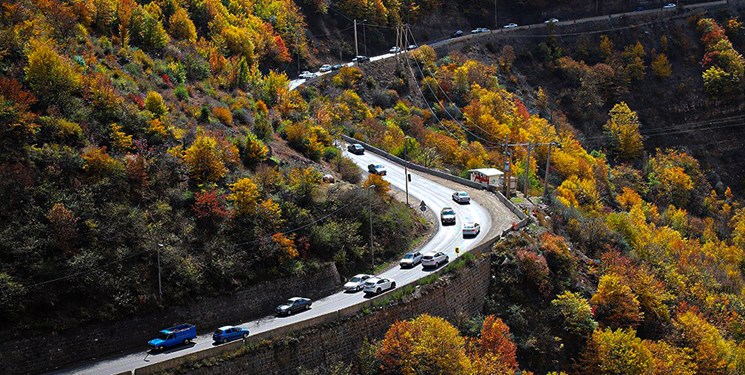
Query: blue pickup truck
point(170, 337)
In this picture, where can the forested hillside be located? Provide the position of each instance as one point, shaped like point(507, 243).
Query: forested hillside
point(128, 128)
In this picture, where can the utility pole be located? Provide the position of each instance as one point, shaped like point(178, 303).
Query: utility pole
point(364, 36)
point(527, 172)
point(506, 167)
point(160, 286)
point(406, 168)
point(496, 25)
point(548, 165)
point(372, 250)
point(356, 49)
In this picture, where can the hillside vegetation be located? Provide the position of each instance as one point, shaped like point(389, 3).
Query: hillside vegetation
point(637, 265)
point(128, 125)
point(128, 128)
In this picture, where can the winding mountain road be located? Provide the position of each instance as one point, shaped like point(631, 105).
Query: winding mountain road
point(436, 192)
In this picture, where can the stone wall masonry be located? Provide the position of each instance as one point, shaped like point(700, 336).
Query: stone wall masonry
point(459, 294)
point(46, 351)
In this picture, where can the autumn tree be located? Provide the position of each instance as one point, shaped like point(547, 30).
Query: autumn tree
point(51, 77)
point(493, 352)
point(64, 226)
point(616, 304)
point(661, 66)
point(425, 345)
point(208, 160)
point(576, 313)
point(254, 150)
point(382, 187)
point(155, 104)
point(147, 31)
point(347, 77)
point(181, 27)
point(634, 58)
point(244, 195)
point(623, 130)
point(611, 352)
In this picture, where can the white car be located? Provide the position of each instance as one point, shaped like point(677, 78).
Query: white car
point(412, 46)
point(325, 68)
point(394, 50)
point(471, 229)
point(356, 283)
point(307, 75)
point(669, 6)
point(434, 259)
point(510, 26)
point(461, 197)
point(480, 30)
point(411, 259)
point(551, 20)
point(377, 285)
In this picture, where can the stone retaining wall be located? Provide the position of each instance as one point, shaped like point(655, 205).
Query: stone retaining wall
point(38, 352)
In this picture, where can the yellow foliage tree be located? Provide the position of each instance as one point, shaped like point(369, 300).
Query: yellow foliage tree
point(616, 304)
point(425, 345)
point(623, 129)
point(119, 139)
point(155, 104)
point(616, 352)
point(50, 76)
point(207, 159)
point(244, 195)
point(181, 27)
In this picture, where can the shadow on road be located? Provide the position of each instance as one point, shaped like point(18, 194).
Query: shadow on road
point(155, 352)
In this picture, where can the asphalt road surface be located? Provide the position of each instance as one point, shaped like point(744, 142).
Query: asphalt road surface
point(436, 196)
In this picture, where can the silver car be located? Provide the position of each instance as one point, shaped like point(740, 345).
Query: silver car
point(461, 197)
point(510, 26)
point(434, 259)
point(377, 285)
point(411, 259)
point(356, 283)
point(471, 229)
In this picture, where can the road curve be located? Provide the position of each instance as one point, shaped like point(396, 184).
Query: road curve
point(434, 191)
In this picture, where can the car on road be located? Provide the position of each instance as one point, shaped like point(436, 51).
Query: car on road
point(412, 46)
point(434, 259)
point(360, 59)
point(336, 67)
point(229, 333)
point(510, 26)
point(394, 50)
point(325, 68)
point(356, 283)
point(456, 34)
point(471, 229)
point(411, 259)
point(378, 169)
point(377, 285)
point(669, 6)
point(447, 216)
point(551, 20)
point(356, 149)
point(461, 197)
point(176, 335)
point(307, 75)
point(293, 305)
point(480, 30)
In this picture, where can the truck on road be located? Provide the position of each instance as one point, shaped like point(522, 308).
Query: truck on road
point(170, 337)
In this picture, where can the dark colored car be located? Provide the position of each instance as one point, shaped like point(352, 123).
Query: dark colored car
point(293, 305)
point(356, 149)
point(336, 67)
point(457, 34)
point(229, 333)
point(361, 59)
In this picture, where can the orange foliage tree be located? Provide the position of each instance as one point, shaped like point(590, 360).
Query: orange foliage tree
point(493, 352)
